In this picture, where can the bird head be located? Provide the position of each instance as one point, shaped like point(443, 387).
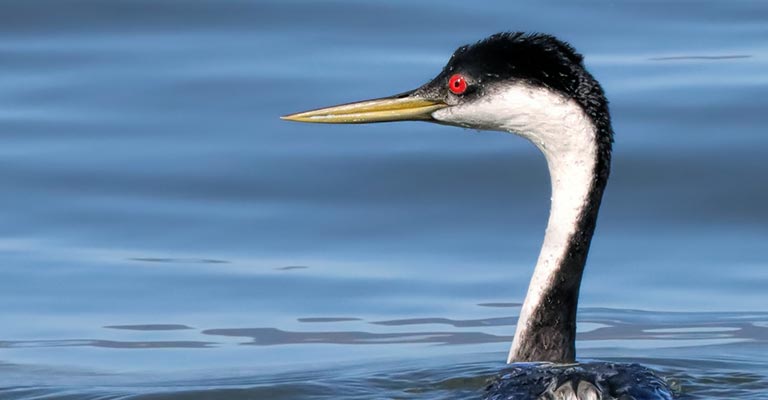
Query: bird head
point(506, 82)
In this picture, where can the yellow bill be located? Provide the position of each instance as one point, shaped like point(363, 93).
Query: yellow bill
point(396, 108)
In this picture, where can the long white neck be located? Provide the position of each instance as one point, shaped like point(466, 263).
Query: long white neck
point(546, 328)
point(560, 128)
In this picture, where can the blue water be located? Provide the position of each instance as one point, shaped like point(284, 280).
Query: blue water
point(163, 235)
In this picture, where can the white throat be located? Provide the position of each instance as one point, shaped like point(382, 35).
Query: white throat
point(559, 127)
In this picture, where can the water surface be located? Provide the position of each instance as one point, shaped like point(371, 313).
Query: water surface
point(164, 235)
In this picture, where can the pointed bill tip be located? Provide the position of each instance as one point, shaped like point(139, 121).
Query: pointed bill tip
point(291, 117)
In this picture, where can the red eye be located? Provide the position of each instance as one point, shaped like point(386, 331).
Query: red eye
point(457, 84)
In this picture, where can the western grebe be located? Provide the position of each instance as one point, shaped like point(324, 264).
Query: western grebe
point(535, 86)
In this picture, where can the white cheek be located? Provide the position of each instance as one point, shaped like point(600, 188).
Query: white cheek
point(479, 114)
point(551, 121)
